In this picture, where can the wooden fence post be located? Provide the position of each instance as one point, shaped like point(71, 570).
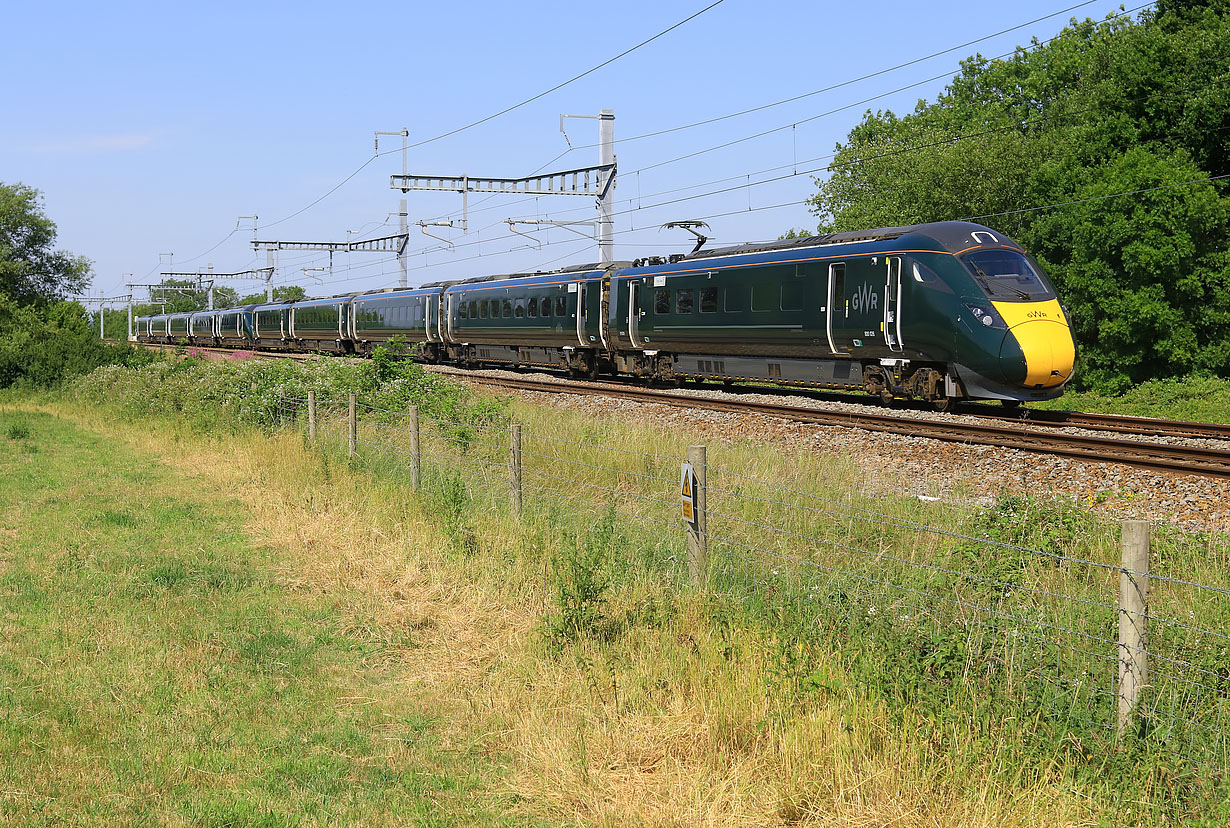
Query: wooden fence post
point(414, 446)
point(514, 466)
point(698, 535)
point(354, 427)
point(312, 416)
point(1133, 618)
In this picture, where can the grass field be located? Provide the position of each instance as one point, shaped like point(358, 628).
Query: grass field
point(160, 663)
point(293, 638)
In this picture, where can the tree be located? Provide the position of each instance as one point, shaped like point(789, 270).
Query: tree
point(1094, 151)
point(285, 293)
point(31, 271)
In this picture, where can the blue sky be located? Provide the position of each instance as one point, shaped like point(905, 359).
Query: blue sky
point(150, 128)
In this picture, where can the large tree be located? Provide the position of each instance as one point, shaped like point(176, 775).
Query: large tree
point(1096, 151)
point(32, 272)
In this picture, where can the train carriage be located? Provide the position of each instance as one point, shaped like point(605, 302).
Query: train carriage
point(203, 328)
point(152, 328)
point(270, 326)
point(550, 320)
point(178, 327)
point(235, 327)
point(321, 325)
point(934, 311)
point(411, 315)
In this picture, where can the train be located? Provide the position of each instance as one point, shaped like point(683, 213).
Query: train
point(940, 312)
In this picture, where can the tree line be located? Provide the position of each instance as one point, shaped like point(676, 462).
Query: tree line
point(1104, 152)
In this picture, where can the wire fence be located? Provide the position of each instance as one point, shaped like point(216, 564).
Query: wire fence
point(1126, 652)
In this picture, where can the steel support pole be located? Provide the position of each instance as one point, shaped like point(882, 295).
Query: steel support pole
point(101, 316)
point(269, 275)
point(403, 226)
point(606, 202)
point(130, 312)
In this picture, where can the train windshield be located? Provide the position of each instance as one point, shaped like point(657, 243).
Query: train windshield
point(1006, 274)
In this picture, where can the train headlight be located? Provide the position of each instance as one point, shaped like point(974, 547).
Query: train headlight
point(986, 315)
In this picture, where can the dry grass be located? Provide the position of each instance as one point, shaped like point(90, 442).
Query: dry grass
point(670, 724)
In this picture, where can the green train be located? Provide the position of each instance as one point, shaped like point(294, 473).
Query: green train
point(939, 312)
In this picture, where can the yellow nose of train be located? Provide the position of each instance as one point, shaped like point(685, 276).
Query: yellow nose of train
point(1038, 351)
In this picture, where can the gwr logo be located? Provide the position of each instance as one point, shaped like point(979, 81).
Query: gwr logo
point(865, 298)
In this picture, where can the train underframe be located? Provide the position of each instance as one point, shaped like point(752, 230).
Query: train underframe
point(887, 379)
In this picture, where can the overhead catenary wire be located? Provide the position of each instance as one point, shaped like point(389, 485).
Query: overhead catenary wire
point(643, 43)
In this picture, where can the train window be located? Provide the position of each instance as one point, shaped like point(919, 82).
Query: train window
point(519, 308)
point(561, 305)
point(506, 308)
point(683, 300)
point(473, 309)
point(532, 309)
point(482, 309)
point(922, 273)
point(764, 297)
point(792, 296)
point(546, 306)
point(837, 289)
point(662, 301)
point(461, 310)
point(708, 300)
point(418, 312)
point(736, 298)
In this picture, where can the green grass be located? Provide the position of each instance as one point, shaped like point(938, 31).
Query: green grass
point(154, 669)
point(1192, 399)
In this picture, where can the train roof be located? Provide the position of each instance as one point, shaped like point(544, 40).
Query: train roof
point(953, 236)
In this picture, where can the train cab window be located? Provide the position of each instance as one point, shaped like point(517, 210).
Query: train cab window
point(708, 300)
point(561, 305)
point(532, 309)
point(736, 298)
point(684, 300)
point(519, 308)
point(764, 297)
point(546, 306)
point(506, 308)
point(662, 301)
point(792, 296)
point(922, 273)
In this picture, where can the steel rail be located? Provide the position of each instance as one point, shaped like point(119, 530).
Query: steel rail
point(1024, 435)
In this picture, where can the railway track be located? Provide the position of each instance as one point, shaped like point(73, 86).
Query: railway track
point(1042, 437)
point(1030, 430)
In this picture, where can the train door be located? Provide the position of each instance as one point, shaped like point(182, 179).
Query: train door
point(634, 314)
point(835, 309)
point(856, 306)
point(431, 320)
point(892, 304)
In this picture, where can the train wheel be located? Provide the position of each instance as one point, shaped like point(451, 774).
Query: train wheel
point(943, 404)
point(1011, 403)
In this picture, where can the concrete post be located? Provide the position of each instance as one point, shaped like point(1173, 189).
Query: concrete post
point(698, 533)
point(312, 416)
point(514, 466)
point(415, 461)
point(1133, 618)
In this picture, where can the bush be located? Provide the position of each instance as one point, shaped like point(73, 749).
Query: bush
point(42, 347)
